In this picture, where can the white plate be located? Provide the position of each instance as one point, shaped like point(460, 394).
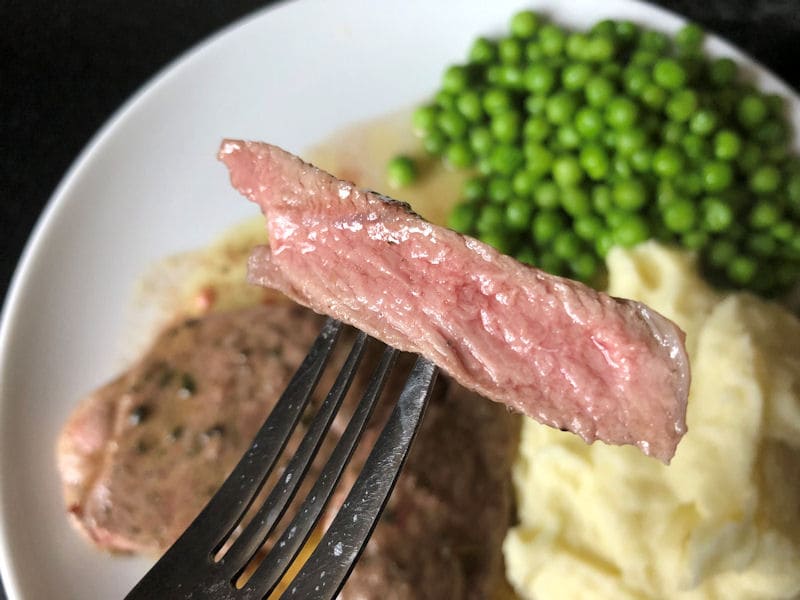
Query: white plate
point(149, 185)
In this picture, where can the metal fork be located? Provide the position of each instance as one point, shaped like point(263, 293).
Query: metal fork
point(192, 569)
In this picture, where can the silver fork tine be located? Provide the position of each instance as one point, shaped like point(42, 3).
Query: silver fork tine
point(286, 548)
point(323, 575)
point(220, 516)
point(247, 544)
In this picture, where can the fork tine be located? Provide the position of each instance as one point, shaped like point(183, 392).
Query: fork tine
point(323, 575)
point(286, 548)
point(220, 516)
point(259, 528)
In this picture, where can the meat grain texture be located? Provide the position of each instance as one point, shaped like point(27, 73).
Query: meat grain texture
point(553, 349)
point(142, 455)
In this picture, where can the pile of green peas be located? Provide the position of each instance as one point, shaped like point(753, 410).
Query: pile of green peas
point(581, 141)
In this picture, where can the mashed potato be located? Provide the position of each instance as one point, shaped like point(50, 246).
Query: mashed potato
point(723, 521)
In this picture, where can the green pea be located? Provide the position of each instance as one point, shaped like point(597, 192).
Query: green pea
point(539, 78)
point(681, 105)
point(510, 77)
point(783, 231)
point(499, 190)
point(524, 24)
point(510, 50)
point(505, 126)
point(602, 199)
point(584, 266)
point(445, 100)
point(490, 218)
point(695, 147)
point(667, 162)
point(589, 123)
point(401, 171)
point(595, 161)
point(523, 182)
point(474, 189)
point(680, 216)
point(463, 216)
point(694, 240)
point(588, 226)
point(546, 195)
point(575, 201)
point(505, 159)
point(722, 71)
point(518, 214)
point(630, 194)
point(483, 51)
point(717, 214)
point(626, 30)
point(669, 74)
point(481, 140)
point(537, 157)
point(568, 136)
point(703, 122)
point(459, 155)
point(604, 242)
point(765, 179)
point(621, 113)
point(599, 91)
point(452, 124)
point(654, 41)
point(566, 245)
point(642, 160)
point(673, 132)
point(455, 79)
point(423, 120)
point(534, 52)
point(536, 105)
point(632, 230)
point(469, 105)
point(536, 129)
point(552, 39)
point(630, 140)
point(635, 79)
point(752, 110)
point(717, 176)
point(600, 48)
point(689, 38)
point(721, 252)
point(727, 144)
point(496, 100)
point(567, 171)
point(653, 96)
point(577, 45)
point(547, 225)
point(560, 108)
point(575, 76)
point(741, 269)
point(434, 142)
point(764, 214)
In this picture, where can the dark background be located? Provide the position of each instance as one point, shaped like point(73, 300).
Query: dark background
point(66, 66)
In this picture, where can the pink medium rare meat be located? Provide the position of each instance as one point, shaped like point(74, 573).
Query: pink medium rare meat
point(551, 348)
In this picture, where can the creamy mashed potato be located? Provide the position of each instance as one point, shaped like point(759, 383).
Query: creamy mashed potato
point(723, 520)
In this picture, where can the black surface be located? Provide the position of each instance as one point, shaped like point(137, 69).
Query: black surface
point(66, 66)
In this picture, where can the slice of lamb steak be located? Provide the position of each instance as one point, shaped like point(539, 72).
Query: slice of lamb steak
point(141, 455)
point(551, 348)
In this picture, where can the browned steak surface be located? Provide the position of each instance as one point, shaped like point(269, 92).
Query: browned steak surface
point(141, 455)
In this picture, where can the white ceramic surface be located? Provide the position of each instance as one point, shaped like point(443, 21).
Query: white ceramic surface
point(149, 185)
